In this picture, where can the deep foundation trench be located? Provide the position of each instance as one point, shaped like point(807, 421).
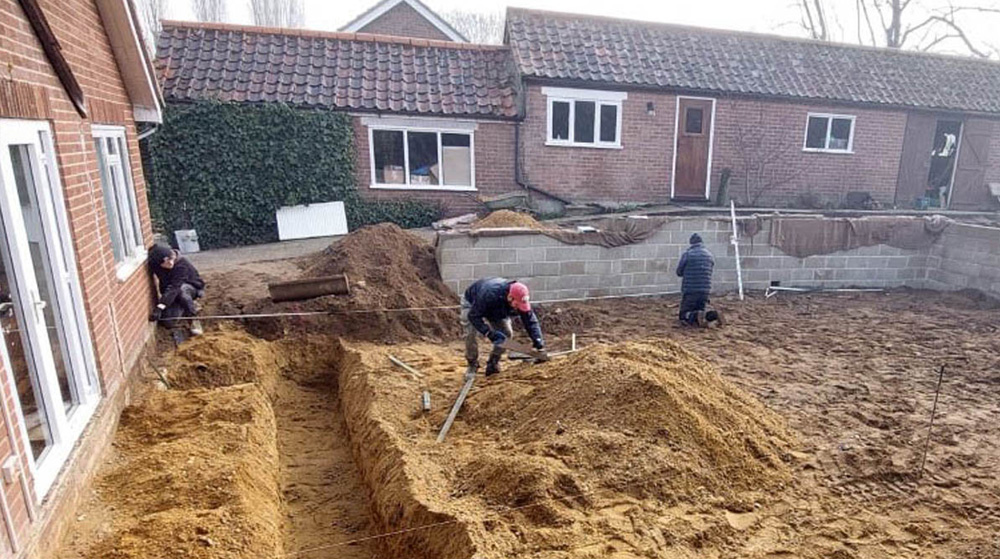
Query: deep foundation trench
point(308, 446)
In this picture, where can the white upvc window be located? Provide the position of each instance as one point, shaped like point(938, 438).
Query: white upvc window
point(414, 154)
point(583, 117)
point(829, 133)
point(120, 204)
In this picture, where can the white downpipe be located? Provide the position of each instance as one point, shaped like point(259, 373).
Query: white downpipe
point(736, 248)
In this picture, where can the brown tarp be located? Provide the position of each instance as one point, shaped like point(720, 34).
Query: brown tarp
point(611, 232)
point(802, 237)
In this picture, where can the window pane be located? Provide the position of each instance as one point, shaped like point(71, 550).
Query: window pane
point(816, 132)
point(133, 205)
point(388, 148)
point(125, 221)
point(560, 120)
point(609, 123)
point(456, 153)
point(110, 206)
point(424, 168)
point(583, 125)
point(840, 133)
point(693, 120)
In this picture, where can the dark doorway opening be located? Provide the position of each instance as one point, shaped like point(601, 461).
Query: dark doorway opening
point(943, 157)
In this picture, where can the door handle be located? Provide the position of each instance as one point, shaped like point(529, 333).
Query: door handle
point(39, 306)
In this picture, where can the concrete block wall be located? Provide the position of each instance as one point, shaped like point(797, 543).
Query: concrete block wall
point(967, 257)
point(554, 270)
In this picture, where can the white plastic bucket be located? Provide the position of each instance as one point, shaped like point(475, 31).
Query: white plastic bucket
point(187, 241)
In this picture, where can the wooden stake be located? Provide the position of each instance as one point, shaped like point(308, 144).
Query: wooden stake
point(736, 248)
point(927, 444)
point(454, 409)
point(416, 374)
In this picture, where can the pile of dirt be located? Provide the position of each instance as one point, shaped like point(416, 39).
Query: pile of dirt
point(195, 476)
point(223, 358)
point(388, 268)
point(649, 419)
point(505, 218)
point(586, 456)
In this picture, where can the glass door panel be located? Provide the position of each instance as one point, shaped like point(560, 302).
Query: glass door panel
point(27, 190)
point(24, 369)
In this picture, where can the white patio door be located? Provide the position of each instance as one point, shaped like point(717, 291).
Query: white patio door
point(47, 350)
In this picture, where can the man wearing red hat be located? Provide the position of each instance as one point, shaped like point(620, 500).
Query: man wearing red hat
point(487, 307)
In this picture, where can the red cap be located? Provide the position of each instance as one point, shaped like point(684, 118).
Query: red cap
point(518, 296)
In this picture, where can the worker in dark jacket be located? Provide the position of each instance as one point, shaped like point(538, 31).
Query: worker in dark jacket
point(695, 267)
point(179, 285)
point(487, 307)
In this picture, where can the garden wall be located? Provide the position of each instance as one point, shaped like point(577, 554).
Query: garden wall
point(965, 256)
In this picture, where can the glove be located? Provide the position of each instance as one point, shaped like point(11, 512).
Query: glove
point(539, 345)
point(157, 312)
point(541, 356)
point(497, 337)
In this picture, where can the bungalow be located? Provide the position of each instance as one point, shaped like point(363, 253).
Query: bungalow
point(75, 81)
point(592, 109)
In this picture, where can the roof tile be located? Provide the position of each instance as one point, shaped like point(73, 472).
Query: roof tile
point(336, 70)
point(614, 51)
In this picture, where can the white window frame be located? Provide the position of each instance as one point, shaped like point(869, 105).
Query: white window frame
point(65, 428)
point(829, 127)
point(135, 256)
point(599, 98)
point(432, 126)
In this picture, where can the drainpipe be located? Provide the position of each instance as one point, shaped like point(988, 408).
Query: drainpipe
point(518, 175)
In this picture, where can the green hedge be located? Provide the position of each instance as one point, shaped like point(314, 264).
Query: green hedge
point(224, 168)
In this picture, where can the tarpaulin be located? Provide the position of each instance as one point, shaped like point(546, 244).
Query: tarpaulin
point(610, 232)
point(802, 237)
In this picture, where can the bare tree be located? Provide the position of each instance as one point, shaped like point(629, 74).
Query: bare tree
point(277, 13)
point(905, 23)
point(478, 27)
point(151, 13)
point(210, 10)
point(766, 154)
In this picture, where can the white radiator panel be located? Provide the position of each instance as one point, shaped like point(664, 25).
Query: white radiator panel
point(314, 220)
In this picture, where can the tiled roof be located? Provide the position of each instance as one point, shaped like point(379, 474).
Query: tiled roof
point(569, 47)
point(357, 72)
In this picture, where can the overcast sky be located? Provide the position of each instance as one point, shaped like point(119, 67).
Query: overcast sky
point(768, 16)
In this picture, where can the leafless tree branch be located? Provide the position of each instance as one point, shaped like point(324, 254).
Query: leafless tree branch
point(210, 10)
point(151, 13)
point(477, 27)
point(277, 13)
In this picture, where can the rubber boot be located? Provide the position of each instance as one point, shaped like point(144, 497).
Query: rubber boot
point(715, 317)
point(493, 365)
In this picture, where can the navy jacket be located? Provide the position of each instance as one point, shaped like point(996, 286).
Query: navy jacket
point(488, 302)
point(696, 267)
point(170, 281)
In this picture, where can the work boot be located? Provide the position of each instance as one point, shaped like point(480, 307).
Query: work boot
point(700, 320)
point(493, 365)
point(196, 329)
point(716, 317)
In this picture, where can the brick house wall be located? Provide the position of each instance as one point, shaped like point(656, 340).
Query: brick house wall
point(403, 21)
point(872, 167)
point(493, 151)
point(639, 172)
point(116, 309)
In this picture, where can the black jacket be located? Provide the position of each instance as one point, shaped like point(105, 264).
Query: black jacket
point(170, 281)
point(488, 302)
point(696, 267)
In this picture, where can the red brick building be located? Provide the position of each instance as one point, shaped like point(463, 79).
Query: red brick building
point(75, 81)
point(590, 109)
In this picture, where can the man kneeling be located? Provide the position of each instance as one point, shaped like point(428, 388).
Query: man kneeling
point(487, 307)
point(695, 267)
point(179, 285)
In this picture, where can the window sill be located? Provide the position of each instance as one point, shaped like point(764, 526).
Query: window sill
point(837, 151)
point(427, 187)
point(125, 270)
point(587, 146)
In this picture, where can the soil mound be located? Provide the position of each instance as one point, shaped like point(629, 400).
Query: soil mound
point(648, 419)
point(388, 268)
point(506, 218)
point(199, 471)
point(223, 358)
